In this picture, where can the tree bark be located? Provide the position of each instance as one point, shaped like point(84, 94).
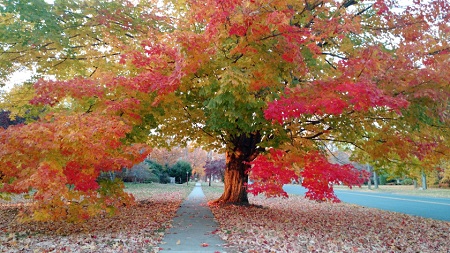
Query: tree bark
point(424, 181)
point(375, 179)
point(241, 150)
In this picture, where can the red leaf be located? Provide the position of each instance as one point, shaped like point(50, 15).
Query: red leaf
point(288, 57)
point(238, 30)
point(270, 173)
point(319, 175)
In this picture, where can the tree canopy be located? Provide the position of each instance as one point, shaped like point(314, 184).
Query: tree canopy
point(181, 171)
point(215, 169)
point(272, 83)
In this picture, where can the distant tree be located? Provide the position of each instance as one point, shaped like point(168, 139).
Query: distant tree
point(197, 158)
point(166, 156)
point(215, 169)
point(159, 170)
point(143, 173)
point(181, 170)
point(445, 177)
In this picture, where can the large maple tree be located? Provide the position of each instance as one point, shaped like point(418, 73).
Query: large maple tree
point(272, 83)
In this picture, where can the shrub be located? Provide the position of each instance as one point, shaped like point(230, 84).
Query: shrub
point(159, 172)
point(407, 181)
point(139, 173)
point(164, 178)
point(152, 178)
point(383, 179)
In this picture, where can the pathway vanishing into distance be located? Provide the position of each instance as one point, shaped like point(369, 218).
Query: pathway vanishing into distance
point(427, 207)
point(192, 227)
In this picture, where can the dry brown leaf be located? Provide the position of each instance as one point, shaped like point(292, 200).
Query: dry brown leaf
point(300, 225)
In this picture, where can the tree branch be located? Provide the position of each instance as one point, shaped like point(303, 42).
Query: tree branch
point(342, 141)
point(348, 3)
point(364, 10)
point(335, 55)
point(439, 51)
point(334, 67)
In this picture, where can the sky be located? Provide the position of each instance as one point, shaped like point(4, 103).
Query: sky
point(17, 78)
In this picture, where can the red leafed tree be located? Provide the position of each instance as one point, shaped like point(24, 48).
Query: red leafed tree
point(61, 157)
point(318, 175)
point(195, 156)
point(215, 169)
point(270, 83)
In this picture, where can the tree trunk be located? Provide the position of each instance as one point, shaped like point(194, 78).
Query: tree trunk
point(241, 151)
point(375, 179)
point(424, 181)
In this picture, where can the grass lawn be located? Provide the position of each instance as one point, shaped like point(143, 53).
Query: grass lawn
point(280, 225)
point(146, 191)
point(402, 189)
point(139, 228)
point(396, 189)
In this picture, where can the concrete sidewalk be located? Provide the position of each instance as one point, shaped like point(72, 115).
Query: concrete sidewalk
point(192, 227)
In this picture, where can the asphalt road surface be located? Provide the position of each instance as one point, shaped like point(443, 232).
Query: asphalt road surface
point(428, 207)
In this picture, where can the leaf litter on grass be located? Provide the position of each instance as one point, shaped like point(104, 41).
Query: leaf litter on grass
point(300, 225)
point(136, 229)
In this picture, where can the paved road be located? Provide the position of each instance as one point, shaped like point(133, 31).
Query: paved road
point(435, 208)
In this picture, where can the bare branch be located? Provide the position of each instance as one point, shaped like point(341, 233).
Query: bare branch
point(335, 55)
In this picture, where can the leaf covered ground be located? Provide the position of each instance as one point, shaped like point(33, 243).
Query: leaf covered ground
point(136, 229)
point(272, 225)
point(300, 225)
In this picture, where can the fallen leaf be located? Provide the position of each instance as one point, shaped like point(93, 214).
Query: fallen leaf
point(286, 225)
point(131, 230)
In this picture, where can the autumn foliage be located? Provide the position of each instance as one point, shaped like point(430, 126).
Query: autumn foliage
point(273, 84)
point(215, 168)
point(60, 159)
point(270, 173)
point(314, 171)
